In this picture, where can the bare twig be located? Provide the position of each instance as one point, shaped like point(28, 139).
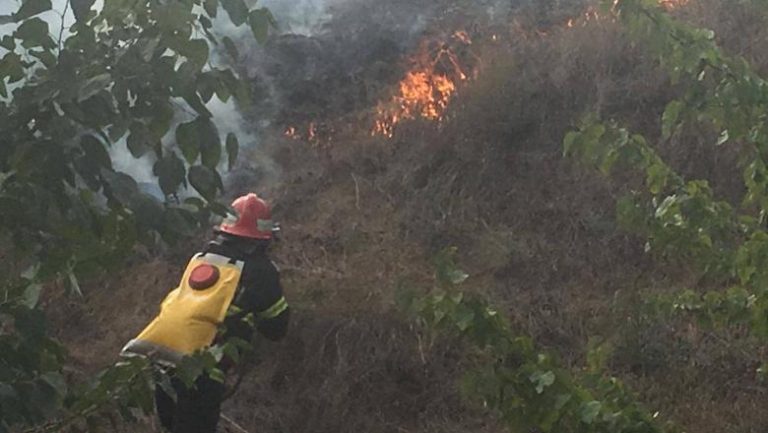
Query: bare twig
point(63, 17)
point(234, 425)
point(357, 192)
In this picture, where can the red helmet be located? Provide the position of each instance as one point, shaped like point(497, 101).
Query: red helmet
point(254, 218)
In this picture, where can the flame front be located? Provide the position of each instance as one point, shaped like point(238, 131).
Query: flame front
point(427, 88)
point(290, 132)
point(436, 74)
point(592, 14)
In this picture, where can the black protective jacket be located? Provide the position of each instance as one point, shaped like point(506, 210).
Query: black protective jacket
point(197, 410)
point(259, 293)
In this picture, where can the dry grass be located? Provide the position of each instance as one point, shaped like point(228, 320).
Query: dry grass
point(536, 232)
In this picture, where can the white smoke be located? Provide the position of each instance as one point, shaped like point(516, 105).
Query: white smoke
point(301, 17)
point(226, 115)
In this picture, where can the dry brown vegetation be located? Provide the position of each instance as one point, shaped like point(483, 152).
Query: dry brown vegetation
point(536, 232)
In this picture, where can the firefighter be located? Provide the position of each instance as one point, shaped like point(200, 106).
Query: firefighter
point(230, 280)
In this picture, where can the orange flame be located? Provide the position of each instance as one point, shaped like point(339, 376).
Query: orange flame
point(436, 75)
point(427, 89)
point(463, 36)
point(313, 133)
point(290, 132)
point(592, 14)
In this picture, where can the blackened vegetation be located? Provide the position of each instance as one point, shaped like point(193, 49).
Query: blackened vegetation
point(353, 61)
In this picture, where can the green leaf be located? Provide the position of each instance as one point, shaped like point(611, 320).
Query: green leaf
point(464, 317)
point(95, 151)
point(34, 33)
point(184, 79)
point(196, 50)
point(30, 8)
point(237, 11)
point(239, 88)
point(210, 143)
point(221, 88)
point(207, 25)
point(762, 372)
point(200, 137)
point(233, 148)
point(457, 276)
point(6, 19)
point(180, 221)
point(162, 117)
point(47, 58)
point(81, 8)
point(7, 41)
point(446, 269)
point(229, 45)
point(562, 400)
point(204, 180)
point(171, 173)
point(207, 83)
point(724, 137)
point(217, 375)
point(93, 86)
point(164, 382)
point(174, 18)
point(11, 67)
point(670, 117)
point(56, 381)
point(32, 294)
point(193, 99)
point(148, 210)
point(609, 159)
point(657, 177)
point(147, 47)
point(118, 129)
point(188, 141)
point(211, 7)
point(589, 411)
point(260, 20)
point(122, 187)
point(139, 141)
point(569, 141)
point(542, 380)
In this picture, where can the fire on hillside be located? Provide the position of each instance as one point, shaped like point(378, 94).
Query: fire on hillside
point(437, 73)
point(428, 87)
point(440, 67)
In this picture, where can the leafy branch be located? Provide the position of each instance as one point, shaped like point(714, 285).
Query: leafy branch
point(721, 90)
point(681, 218)
point(527, 387)
point(115, 79)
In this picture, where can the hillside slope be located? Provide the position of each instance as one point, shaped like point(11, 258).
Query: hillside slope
point(363, 215)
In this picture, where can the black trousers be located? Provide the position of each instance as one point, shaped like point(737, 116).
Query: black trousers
point(196, 410)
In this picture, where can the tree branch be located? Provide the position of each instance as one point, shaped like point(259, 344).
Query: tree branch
point(63, 18)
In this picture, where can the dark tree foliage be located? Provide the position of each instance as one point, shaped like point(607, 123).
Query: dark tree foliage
point(123, 75)
point(681, 218)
